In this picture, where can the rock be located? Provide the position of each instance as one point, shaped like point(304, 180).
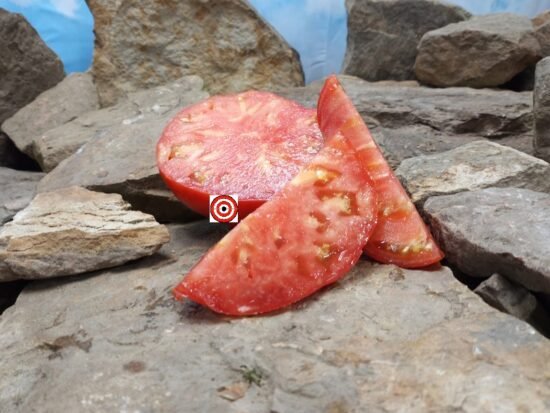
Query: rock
point(541, 109)
point(541, 19)
point(476, 165)
point(27, 67)
point(484, 51)
point(72, 231)
point(120, 155)
point(481, 112)
point(379, 340)
point(383, 35)
point(541, 23)
point(72, 97)
point(142, 44)
point(11, 157)
point(502, 230)
point(17, 188)
point(515, 300)
point(412, 120)
point(140, 107)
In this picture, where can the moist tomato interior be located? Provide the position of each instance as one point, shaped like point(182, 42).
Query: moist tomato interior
point(307, 236)
point(250, 144)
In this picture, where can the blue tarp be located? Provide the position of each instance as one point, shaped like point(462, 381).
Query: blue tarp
point(315, 28)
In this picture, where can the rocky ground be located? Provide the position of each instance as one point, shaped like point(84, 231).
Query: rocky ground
point(91, 241)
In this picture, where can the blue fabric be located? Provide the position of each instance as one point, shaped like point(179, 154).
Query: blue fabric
point(315, 28)
point(65, 25)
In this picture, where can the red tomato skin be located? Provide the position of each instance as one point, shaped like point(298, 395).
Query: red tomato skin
point(199, 201)
point(337, 114)
point(280, 241)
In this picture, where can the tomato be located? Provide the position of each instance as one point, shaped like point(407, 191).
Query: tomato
point(250, 144)
point(308, 236)
point(401, 237)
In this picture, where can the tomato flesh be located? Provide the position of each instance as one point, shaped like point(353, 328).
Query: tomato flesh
point(250, 144)
point(308, 236)
point(400, 237)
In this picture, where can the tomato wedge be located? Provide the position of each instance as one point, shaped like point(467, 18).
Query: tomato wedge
point(308, 236)
point(250, 144)
point(400, 237)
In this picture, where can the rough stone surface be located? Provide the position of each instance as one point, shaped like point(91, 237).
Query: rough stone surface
point(514, 299)
point(72, 231)
point(495, 230)
point(120, 155)
point(541, 19)
point(27, 66)
point(142, 44)
point(17, 188)
point(476, 165)
point(407, 120)
point(72, 97)
point(543, 36)
point(541, 109)
point(140, 107)
point(379, 340)
point(484, 51)
point(383, 35)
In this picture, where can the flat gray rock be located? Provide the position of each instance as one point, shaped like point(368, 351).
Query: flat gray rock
point(460, 110)
point(541, 109)
point(72, 231)
point(145, 43)
point(515, 300)
point(484, 51)
point(17, 188)
point(141, 107)
point(27, 66)
point(383, 35)
point(72, 97)
point(408, 120)
point(120, 153)
point(495, 230)
point(380, 339)
point(476, 165)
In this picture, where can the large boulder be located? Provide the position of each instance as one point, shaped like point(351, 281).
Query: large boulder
point(383, 34)
point(495, 230)
point(72, 97)
point(541, 109)
point(476, 165)
point(120, 153)
point(484, 51)
point(380, 339)
point(27, 66)
point(146, 43)
point(73, 230)
point(17, 188)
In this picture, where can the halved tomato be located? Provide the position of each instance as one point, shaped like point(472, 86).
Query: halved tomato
point(309, 235)
point(251, 144)
point(400, 237)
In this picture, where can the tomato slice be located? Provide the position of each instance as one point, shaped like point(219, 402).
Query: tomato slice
point(308, 236)
point(250, 144)
point(400, 237)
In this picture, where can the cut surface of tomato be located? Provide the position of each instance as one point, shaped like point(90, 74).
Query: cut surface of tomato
point(250, 144)
point(309, 235)
point(401, 237)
